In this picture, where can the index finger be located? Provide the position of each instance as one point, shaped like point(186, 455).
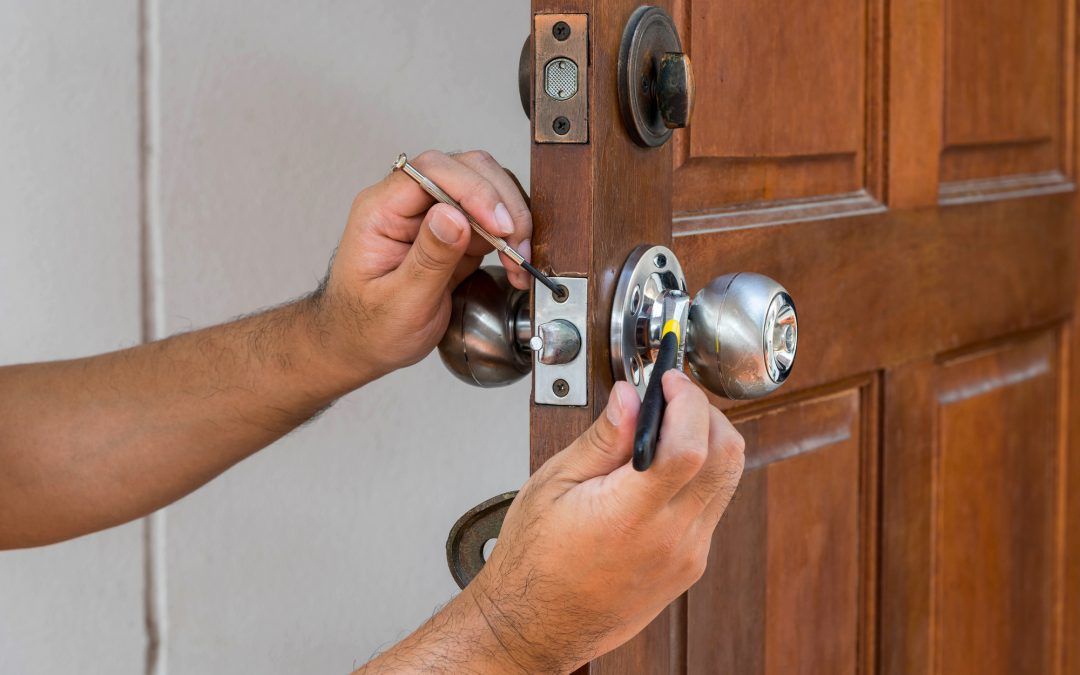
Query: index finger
point(474, 192)
point(681, 451)
point(514, 207)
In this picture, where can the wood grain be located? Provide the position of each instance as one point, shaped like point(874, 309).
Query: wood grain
point(787, 564)
point(997, 515)
point(796, 124)
point(592, 204)
point(906, 170)
point(1003, 70)
point(972, 511)
point(878, 291)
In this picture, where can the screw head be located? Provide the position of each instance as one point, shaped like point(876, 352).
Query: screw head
point(561, 30)
point(561, 126)
point(561, 388)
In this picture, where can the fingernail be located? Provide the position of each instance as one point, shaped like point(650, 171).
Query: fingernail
point(447, 225)
point(525, 249)
point(503, 219)
point(614, 410)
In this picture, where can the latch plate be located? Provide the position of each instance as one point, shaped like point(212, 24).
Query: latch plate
point(560, 40)
point(562, 383)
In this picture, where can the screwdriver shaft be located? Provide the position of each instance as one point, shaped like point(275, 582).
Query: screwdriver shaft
point(499, 244)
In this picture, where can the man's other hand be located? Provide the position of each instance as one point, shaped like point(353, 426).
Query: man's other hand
point(387, 299)
point(592, 550)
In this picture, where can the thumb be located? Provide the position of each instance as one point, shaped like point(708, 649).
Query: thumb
point(608, 443)
point(439, 246)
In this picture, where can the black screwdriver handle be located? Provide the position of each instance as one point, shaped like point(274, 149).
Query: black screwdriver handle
point(653, 403)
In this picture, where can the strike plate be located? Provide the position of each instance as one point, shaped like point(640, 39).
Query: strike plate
point(563, 383)
point(560, 76)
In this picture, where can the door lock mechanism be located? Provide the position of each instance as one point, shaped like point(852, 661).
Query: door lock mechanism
point(490, 340)
point(741, 329)
point(656, 83)
point(741, 336)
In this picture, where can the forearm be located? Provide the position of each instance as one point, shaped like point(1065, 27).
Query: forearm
point(457, 639)
point(94, 442)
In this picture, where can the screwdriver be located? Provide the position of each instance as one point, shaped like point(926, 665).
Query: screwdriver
point(653, 403)
point(500, 245)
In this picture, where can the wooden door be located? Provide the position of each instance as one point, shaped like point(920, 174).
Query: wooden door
point(905, 169)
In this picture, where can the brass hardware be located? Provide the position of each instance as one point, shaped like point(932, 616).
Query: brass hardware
point(525, 72)
point(675, 90)
point(656, 85)
point(558, 72)
point(471, 532)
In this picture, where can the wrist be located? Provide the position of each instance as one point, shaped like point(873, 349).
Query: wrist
point(507, 624)
point(456, 639)
point(323, 336)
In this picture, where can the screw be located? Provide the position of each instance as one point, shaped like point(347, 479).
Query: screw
point(561, 31)
point(561, 125)
point(660, 261)
point(560, 296)
point(561, 388)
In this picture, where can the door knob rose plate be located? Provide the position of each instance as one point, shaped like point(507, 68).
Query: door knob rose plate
point(650, 275)
point(741, 329)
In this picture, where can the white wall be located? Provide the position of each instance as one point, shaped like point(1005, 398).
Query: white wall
point(268, 117)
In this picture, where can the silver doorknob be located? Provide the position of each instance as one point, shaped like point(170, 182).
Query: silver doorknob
point(489, 341)
point(741, 335)
point(741, 329)
point(486, 342)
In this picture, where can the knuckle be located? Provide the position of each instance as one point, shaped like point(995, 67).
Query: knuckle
point(477, 157)
point(479, 195)
point(423, 261)
point(602, 436)
point(734, 444)
point(692, 457)
point(428, 157)
point(696, 564)
point(521, 214)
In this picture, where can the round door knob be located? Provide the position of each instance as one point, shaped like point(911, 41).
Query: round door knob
point(741, 337)
point(486, 342)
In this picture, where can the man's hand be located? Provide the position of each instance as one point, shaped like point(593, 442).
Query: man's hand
point(591, 550)
point(387, 300)
point(106, 439)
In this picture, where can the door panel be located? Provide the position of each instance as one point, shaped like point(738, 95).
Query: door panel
point(1003, 87)
point(791, 127)
point(881, 290)
point(906, 170)
point(789, 559)
point(997, 514)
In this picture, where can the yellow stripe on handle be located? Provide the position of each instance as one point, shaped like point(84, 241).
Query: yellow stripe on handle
point(672, 326)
